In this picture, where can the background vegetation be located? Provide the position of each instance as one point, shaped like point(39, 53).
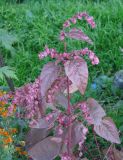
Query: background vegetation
point(25, 28)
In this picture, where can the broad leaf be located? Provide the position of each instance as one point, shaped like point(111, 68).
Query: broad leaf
point(114, 154)
point(96, 111)
point(61, 100)
point(78, 34)
point(77, 133)
point(40, 130)
point(107, 130)
point(34, 136)
point(44, 124)
point(49, 74)
point(47, 149)
point(72, 89)
point(77, 72)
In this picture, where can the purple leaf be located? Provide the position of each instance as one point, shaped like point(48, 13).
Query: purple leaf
point(40, 130)
point(44, 124)
point(49, 74)
point(47, 149)
point(77, 133)
point(115, 154)
point(96, 111)
point(107, 130)
point(72, 89)
point(78, 34)
point(77, 72)
point(34, 136)
point(62, 100)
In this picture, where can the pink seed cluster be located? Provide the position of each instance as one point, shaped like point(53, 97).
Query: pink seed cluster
point(93, 58)
point(79, 16)
point(49, 117)
point(83, 138)
point(67, 56)
point(65, 120)
point(86, 113)
point(65, 156)
point(27, 97)
point(59, 85)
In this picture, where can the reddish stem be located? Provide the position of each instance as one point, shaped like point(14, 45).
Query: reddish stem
point(69, 107)
point(107, 151)
point(69, 140)
point(68, 112)
point(97, 144)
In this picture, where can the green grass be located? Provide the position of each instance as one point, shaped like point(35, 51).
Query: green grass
point(37, 23)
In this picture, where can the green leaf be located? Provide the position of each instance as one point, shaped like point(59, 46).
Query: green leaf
point(7, 39)
point(8, 71)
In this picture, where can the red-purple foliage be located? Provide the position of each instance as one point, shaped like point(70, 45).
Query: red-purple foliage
point(53, 89)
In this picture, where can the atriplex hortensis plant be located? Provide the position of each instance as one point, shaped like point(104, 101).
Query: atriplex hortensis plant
point(53, 88)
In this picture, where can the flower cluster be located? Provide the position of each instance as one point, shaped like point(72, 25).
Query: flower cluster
point(27, 97)
point(67, 56)
point(48, 52)
point(83, 137)
point(5, 97)
point(85, 112)
point(65, 156)
point(20, 151)
point(7, 135)
point(65, 120)
point(79, 16)
point(93, 58)
point(6, 109)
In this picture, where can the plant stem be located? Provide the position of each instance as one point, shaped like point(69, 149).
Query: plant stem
point(40, 105)
point(97, 144)
point(69, 140)
point(68, 111)
point(107, 151)
point(69, 107)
